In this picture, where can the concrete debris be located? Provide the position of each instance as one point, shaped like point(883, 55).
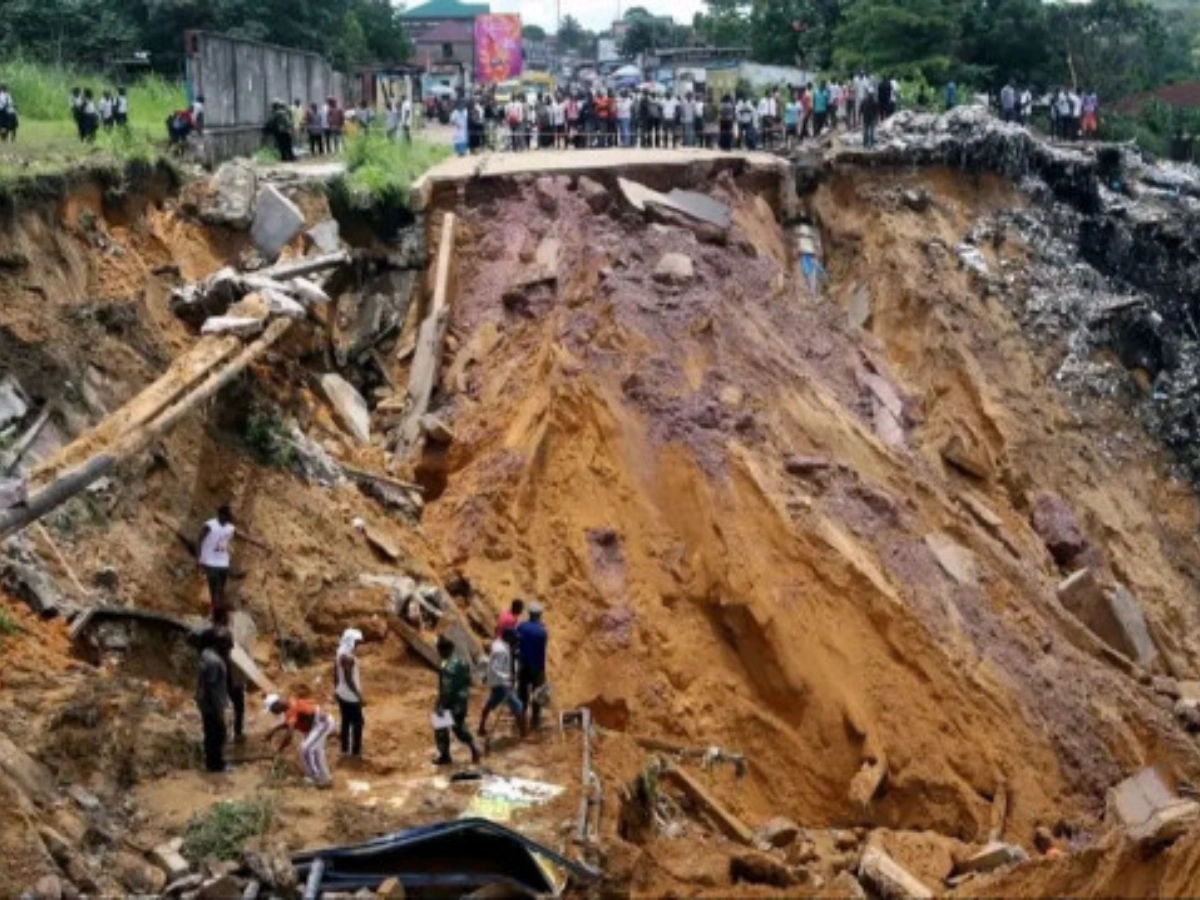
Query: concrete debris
point(867, 782)
point(276, 221)
point(888, 879)
point(22, 576)
point(167, 857)
point(381, 542)
point(674, 269)
point(313, 460)
point(349, 407)
point(366, 316)
point(30, 776)
point(13, 492)
point(753, 867)
point(1113, 615)
point(993, 856)
point(280, 304)
point(13, 402)
point(223, 887)
point(1149, 810)
point(916, 199)
point(324, 237)
point(436, 430)
point(955, 560)
point(252, 306)
point(973, 260)
point(308, 292)
point(194, 303)
point(687, 205)
point(779, 832)
point(231, 196)
point(235, 325)
point(48, 887)
point(859, 312)
point(1058, 528)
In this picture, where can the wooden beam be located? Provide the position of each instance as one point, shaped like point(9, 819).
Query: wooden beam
point(427, 363)
point(729, 823)
point(355, 472)
point(299, 268)
point(416, 641)
point(67, 486)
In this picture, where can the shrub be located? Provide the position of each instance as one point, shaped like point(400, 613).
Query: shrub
point(381, 171)
point(267, 438)
point(225, 829)
point(8, 624)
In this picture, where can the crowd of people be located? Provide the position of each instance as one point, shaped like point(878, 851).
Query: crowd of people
point(90, 115)
point(514, 675)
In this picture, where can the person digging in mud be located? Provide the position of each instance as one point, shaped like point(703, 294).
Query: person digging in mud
point(305, 718)
point(532, 638)
point(212, 694)
point(216, 538)
point(500, 680)
point(454, 693)
point(348, 691)
point(510, 618)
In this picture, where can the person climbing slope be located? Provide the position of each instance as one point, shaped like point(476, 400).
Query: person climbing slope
point(305, 718)
point(216, 539)
point(212, 694)
point(450, 712)
point(500, 681)
point(348, 691)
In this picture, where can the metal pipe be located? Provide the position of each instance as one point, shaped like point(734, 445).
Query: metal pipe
point(312, 887)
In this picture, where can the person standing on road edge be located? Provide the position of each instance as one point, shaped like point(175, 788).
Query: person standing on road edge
point(306, 718)
point(347, 681)
point(532, 639)
point(460, 120)
point(212, 695)
point(454, 694)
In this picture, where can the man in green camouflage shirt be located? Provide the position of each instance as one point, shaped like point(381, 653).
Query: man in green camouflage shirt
point(454, 692)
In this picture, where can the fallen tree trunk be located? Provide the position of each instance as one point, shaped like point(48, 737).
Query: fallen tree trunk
point(67, 486)
point(428, 360)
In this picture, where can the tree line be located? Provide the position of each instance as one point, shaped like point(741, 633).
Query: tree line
point(105, 34)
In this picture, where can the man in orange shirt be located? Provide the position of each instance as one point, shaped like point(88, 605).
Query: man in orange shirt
point(306, 718)
point(602, 104)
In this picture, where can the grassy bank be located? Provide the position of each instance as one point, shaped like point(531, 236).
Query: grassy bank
point(47, 139)
point(380, 172)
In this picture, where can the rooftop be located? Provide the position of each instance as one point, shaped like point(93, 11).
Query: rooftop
point(447, 9)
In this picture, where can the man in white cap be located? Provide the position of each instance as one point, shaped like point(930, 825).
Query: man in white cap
point(306, 718)
point(347, 681)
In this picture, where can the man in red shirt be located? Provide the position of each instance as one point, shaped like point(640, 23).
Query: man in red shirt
point(510, 618)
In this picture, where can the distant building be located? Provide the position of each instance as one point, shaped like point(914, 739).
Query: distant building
point(448, 43)
point(424, 18)
point(541, 56)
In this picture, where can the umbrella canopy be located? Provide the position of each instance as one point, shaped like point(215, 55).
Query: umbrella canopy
point(627, 72)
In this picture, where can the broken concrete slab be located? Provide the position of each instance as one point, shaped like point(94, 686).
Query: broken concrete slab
point(674, 269)
point(1149, 810)
point(236, 325)
point(888, 879)
point(381, 542)
point(349, 407)
point(858, 313)
point(1113, 615)
point(994, 855)
point(365, 317)
point(231, 196)
point(595, 194)
point(250, 671)
point(701, 207)
point(280, 304)
point(436, 430)
point(13, 403)
point(194, 303)
point(168, 858)
point(308, 292)
point(955, 560)
point(276, 221)
point(324, 237)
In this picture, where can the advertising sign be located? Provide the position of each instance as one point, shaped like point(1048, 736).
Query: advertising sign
point(497, 48)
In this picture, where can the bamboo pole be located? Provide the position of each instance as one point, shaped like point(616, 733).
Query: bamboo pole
point(67, 486)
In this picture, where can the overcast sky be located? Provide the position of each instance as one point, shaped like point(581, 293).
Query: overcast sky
point(596, 15)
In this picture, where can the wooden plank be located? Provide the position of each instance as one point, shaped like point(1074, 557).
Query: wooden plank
point(416, 641)
point(423, 377)
point(74, 481)
point(253, 674)
point(730, 824)
point(355, 472)
point(299, 268)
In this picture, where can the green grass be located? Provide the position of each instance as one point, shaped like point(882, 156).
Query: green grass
point(225, 829)
point(47, 140)
point(380, 171)
point(8, 625)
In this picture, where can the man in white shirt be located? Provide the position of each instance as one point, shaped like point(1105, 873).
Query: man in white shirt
point(514, 115)
point(406, 119)
point(670, 121)
point(746, 113)
point(500, 681)
point(763, 115)
point(558, 116)
point(625, 118)
point(461, 121)
point(213, 558)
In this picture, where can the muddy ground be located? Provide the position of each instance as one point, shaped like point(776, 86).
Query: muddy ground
point(732, 496)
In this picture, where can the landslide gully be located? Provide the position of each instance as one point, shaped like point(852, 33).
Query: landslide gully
point(734, 503)
point(623, 452)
